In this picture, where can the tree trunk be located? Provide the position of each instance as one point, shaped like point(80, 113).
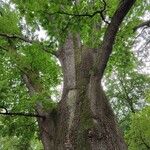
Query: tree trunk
point(85, 120)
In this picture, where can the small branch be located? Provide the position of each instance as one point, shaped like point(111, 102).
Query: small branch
point(85, 14)
point(144, 24)
point(18, 114)
point(22, 114)
point(128, 99)
point(13, 36)
point(102, 15)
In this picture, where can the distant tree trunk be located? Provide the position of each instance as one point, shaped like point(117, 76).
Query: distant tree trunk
point(84, 119)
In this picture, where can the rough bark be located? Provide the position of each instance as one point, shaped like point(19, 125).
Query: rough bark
point(85, 119)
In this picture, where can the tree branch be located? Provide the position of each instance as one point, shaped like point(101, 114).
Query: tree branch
point(143, 24)
point(110, 35)
point(84, 14)
point(102, 15)
point(19, 114)
point(127, 98)
point(13, 36)
point(22, 114)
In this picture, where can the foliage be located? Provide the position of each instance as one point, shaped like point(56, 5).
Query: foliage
point(129, 92)
point(8, 18)
point(139, 133)
point(14, 143)
point(13, 92)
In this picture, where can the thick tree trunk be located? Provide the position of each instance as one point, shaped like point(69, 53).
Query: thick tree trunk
point(85, 120)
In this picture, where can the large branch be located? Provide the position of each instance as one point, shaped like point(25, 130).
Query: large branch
point(110, 35)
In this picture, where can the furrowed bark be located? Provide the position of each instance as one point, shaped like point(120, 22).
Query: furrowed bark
point(66, 110)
